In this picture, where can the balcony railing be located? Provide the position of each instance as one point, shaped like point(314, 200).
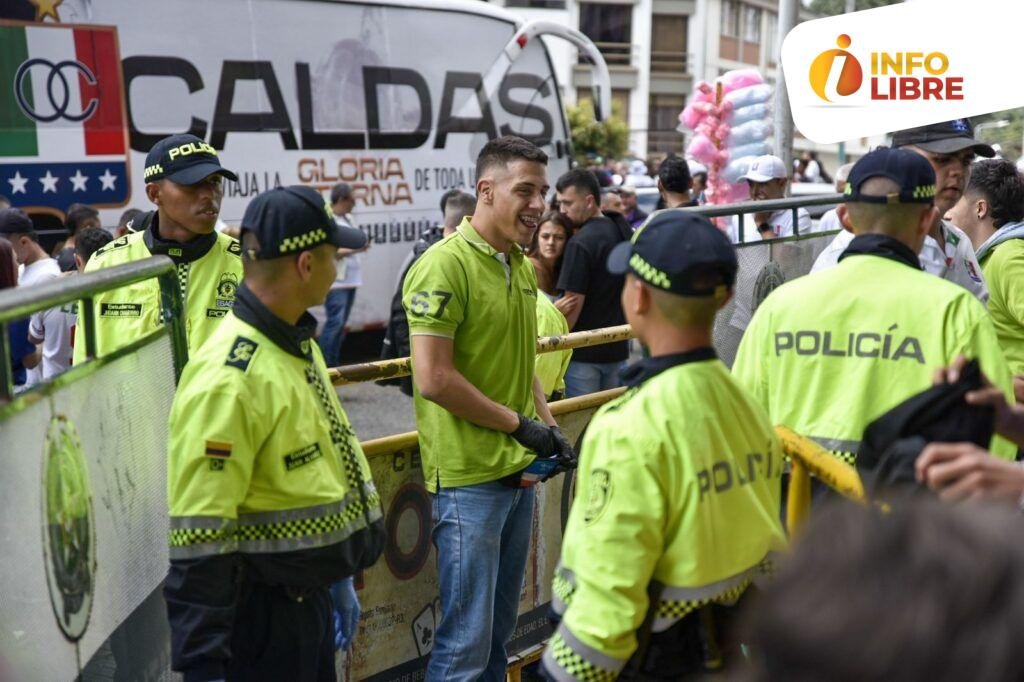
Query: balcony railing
point(668, 61)
point(616, 54)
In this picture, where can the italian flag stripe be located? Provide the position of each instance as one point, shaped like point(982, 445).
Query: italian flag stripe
point(104, 132)
point(17, 131)
point(96, 50)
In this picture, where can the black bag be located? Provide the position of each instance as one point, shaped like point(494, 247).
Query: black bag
point(940, 414)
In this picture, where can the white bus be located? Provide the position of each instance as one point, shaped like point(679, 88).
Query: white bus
point(395, 98)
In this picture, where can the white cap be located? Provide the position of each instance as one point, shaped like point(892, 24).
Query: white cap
point(696, 167)
point(765, 168)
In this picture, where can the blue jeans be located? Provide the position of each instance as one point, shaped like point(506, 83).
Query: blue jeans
point(582, 378)
point(482, 535)
point(338, 306)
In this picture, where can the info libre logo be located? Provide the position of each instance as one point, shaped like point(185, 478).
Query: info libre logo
point(837, 74)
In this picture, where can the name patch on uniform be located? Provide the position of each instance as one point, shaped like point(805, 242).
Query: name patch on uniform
point(241, 353)
point(529, 292)
point(302, 456)
point(120, 310)
point(216, 312)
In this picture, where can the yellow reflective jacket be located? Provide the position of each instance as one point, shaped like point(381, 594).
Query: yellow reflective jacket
point(678, 494)
point(828, 353)
point(209, 270)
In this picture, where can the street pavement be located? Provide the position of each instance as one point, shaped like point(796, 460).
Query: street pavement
point(377, 411)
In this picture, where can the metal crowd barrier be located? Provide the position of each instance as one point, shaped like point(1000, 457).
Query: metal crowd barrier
point(806, 458)
point(402, 367)
point(742, 208)
point(20, 303)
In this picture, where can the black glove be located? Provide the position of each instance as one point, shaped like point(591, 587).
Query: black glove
point(567, 459)
point(537, 436)
point(565, 450)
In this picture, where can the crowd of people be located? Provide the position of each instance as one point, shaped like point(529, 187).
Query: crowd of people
point(901, 354)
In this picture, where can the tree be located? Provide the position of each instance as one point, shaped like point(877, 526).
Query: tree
point(608, 139)
point(832, 7)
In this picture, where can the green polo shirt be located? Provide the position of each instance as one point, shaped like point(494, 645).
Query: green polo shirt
point(463, 289)
point(1003, 268)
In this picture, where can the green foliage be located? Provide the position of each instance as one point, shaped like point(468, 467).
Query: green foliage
point(608, 139)
point(1008, 137)
point(832, 7)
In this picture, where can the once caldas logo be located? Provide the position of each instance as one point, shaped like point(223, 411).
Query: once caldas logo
point(837, 74)
point(65, 139)
point(69, 538)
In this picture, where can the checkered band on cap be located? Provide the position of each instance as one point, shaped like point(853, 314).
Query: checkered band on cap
point(303, 241)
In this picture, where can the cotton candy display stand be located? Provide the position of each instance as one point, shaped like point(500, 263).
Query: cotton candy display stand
point(731, 122)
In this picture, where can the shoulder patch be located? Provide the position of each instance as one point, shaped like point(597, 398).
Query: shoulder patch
point(235, 247)
point(116, 244)
point(241, 353)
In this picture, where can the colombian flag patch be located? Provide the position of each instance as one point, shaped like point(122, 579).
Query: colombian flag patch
point(216, 448)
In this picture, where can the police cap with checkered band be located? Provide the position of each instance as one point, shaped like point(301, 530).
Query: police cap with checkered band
point(946, 137)
point(911, 172)
point(288, 220)
point(680, 252)
point(184, 159)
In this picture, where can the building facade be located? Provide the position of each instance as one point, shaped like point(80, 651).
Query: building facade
point(657, 49)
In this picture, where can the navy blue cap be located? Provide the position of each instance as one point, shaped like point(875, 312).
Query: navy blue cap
point(676, 250)
point(184, 159)
point(911, 171)
point(15, 221)
point(287, 220)
point(947, 137)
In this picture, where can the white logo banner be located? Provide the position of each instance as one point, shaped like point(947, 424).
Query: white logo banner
point(902, 66)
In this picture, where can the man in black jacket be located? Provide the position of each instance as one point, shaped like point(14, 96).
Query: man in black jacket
point(590, 295)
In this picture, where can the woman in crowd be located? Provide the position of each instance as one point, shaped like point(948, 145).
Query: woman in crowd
point(547, 248)
point(23, 354)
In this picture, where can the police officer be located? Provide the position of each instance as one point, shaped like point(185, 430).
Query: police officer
point(676, 510)
point(270, 495)
point(184, 179)
point(950, 147)
point(828, 353)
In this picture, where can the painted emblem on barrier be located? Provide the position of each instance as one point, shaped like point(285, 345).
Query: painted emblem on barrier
point(770, 278)
point(69, 537)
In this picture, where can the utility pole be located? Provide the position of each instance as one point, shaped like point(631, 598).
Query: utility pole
point(783, 116)
point(851, 6)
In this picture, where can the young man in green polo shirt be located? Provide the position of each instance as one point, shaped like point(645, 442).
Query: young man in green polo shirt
point(676, 510)
point(991, 212)
point(471, 302)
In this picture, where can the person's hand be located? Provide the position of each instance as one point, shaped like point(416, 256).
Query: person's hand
point(567, 305)
point(346, 613)
point(1009, 418)
point(762, 217)
point(964, 471)
point(537, 436)
point(565, 449)
point(566, 456)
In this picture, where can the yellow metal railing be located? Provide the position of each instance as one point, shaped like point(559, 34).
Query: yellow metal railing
point(807, 457)
point(387, 445)
point(402, 367)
